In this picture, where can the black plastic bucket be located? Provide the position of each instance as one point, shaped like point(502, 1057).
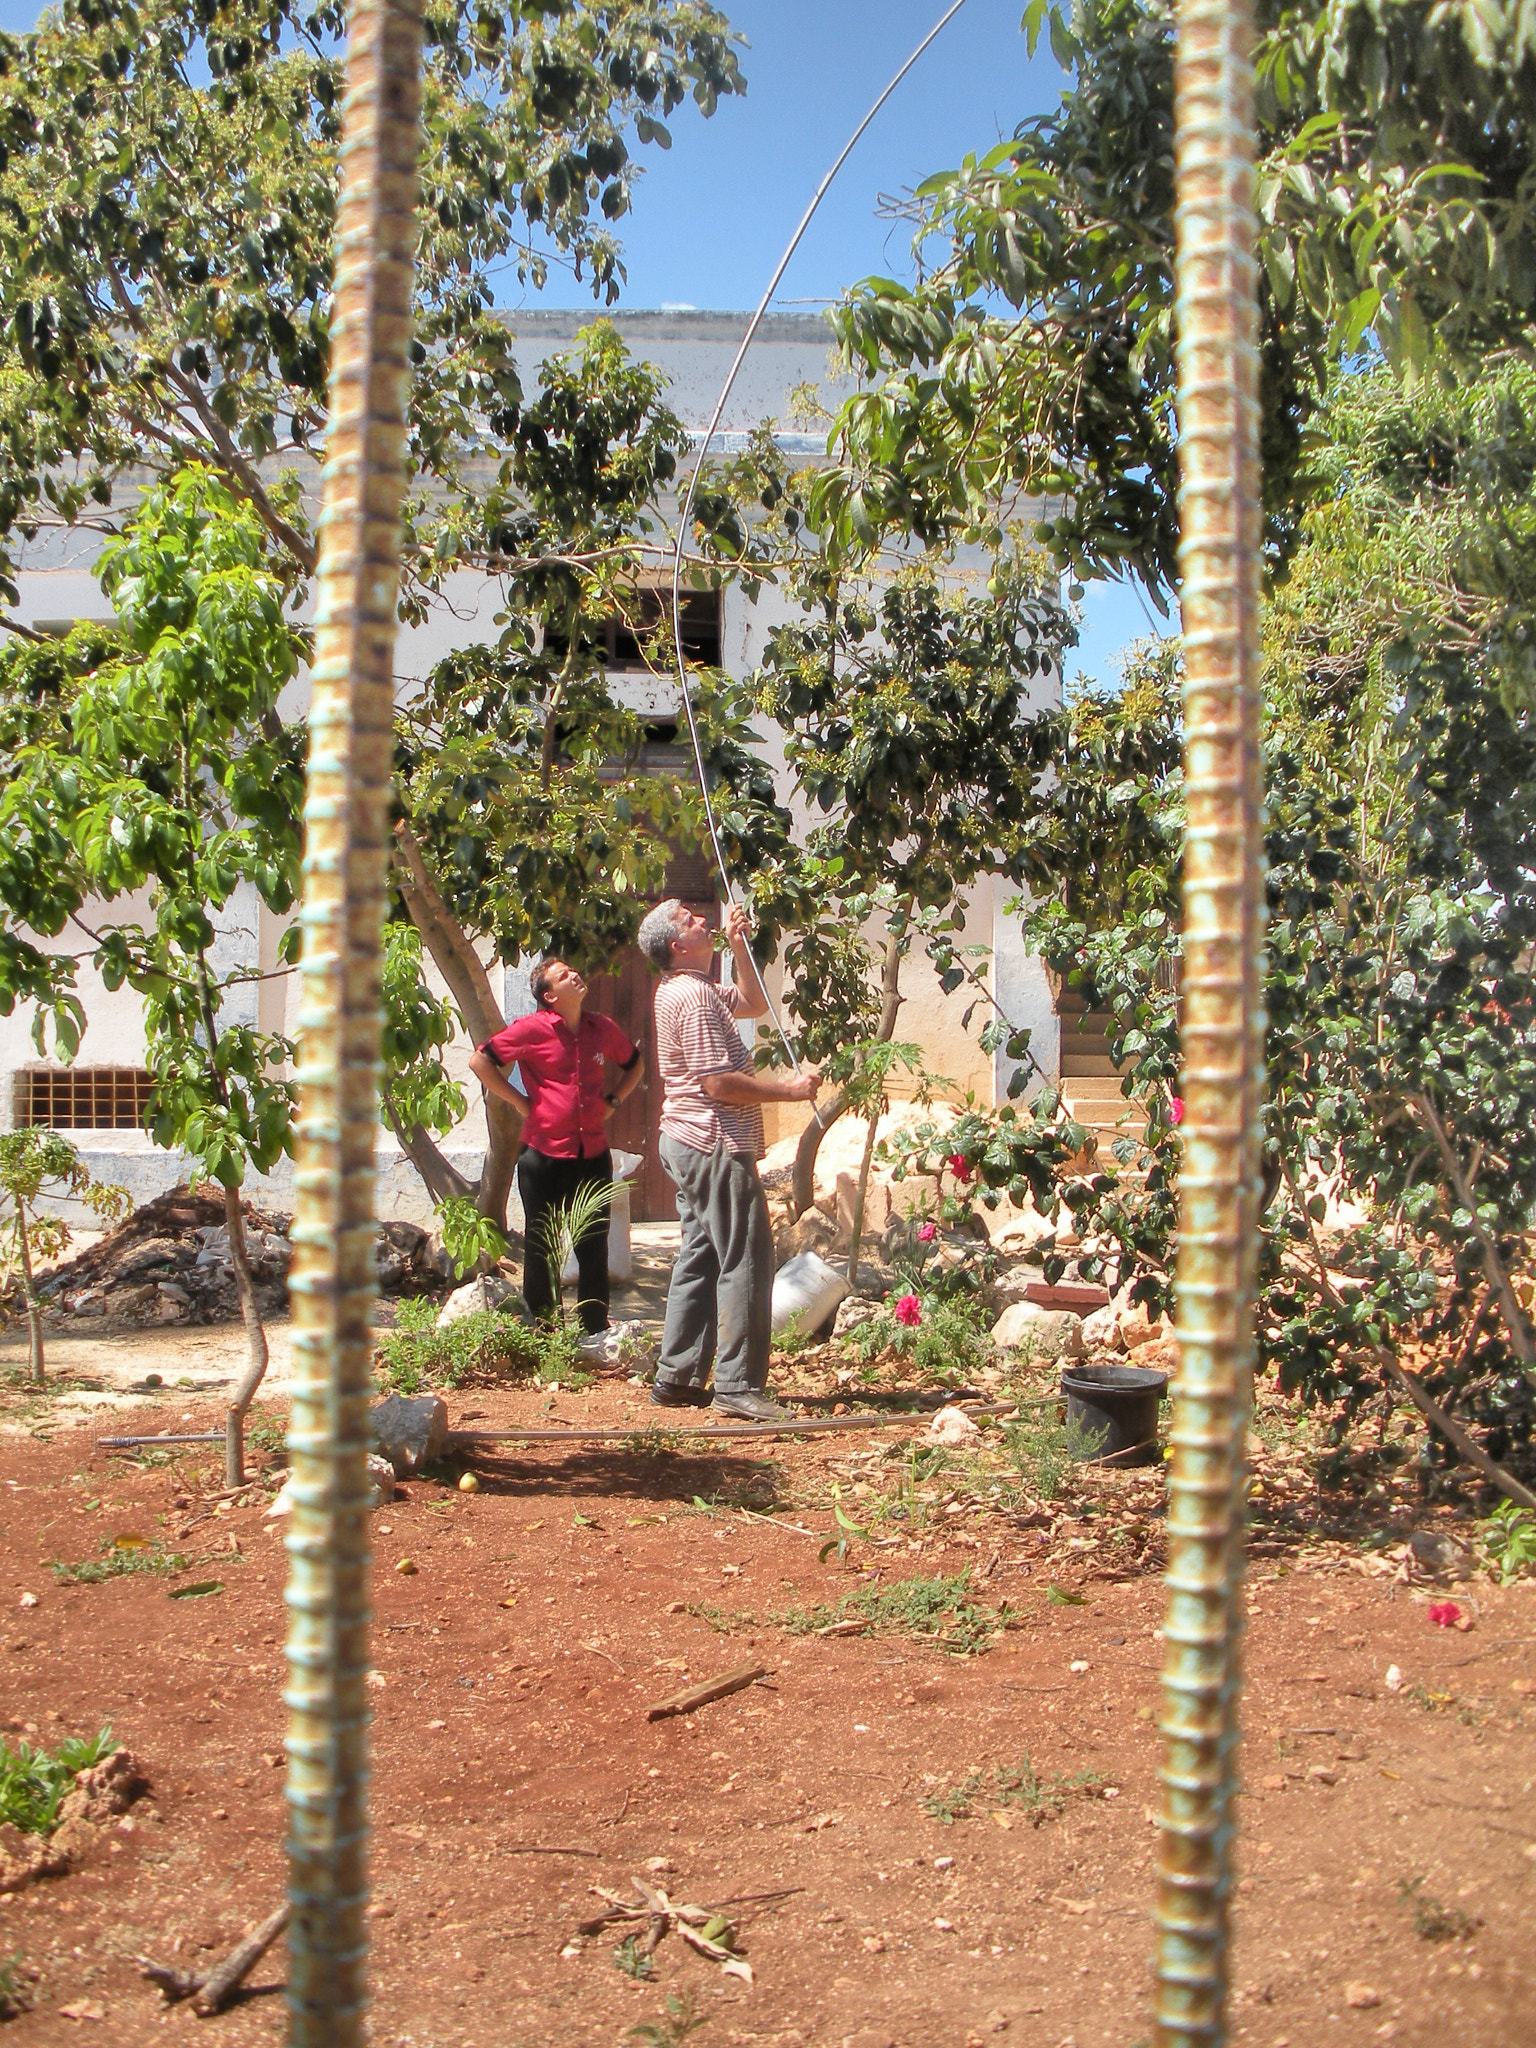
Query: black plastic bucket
point(1115, 1407)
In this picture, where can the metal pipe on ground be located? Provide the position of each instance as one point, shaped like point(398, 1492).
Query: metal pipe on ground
point(346, 821)
point(1216, 316)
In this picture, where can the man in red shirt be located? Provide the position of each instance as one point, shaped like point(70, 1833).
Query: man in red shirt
point(559, 1052)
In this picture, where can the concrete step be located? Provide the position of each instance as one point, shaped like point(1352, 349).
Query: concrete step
point(1082, 1066)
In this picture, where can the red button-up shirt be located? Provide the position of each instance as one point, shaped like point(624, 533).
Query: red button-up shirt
point(562, 1075)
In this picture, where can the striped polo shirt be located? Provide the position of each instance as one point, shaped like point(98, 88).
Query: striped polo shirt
point(696, 1036)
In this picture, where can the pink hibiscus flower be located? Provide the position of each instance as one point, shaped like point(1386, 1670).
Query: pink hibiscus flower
point(927, 1232)
point(1176, 1109)
point(909, 1310)
point(1444, 1613)
point(959, 1166)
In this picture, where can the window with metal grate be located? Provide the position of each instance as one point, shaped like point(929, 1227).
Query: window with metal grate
point(82, 1098)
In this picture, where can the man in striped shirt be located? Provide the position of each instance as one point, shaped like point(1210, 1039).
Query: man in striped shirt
point(720, 1299)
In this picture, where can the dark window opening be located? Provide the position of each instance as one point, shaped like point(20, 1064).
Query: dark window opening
point(622, 639)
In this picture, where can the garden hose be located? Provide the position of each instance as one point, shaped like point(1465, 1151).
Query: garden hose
point(346, 819)
point(685, 510)
point(1216, 316)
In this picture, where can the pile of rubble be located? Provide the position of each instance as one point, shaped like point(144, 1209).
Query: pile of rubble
point(170, 1263)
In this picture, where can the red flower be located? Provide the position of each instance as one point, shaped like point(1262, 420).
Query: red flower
point(927, 1232)
point(1444, 1613)
point(959, 1166)
point(1175, 1109)
point(909, 1310)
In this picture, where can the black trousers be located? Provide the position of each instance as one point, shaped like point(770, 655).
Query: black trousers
point(546, 1184)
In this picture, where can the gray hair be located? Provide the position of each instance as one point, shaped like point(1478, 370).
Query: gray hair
point(658, 929)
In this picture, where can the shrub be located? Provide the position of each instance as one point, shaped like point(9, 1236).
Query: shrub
point(946, 1338)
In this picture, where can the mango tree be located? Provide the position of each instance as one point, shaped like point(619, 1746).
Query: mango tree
point(151, 798)
point(38, 1166)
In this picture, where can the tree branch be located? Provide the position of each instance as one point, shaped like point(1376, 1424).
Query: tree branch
point(1468, 1450)
point(804, 1188)
point(442, 1179)
point(1493, 1265)
point(446, 940)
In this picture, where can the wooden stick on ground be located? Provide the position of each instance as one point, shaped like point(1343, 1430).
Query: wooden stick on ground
point(226, 1978)
point(711, 1689)
point(212, 1990)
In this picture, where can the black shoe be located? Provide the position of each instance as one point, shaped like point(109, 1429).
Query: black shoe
point(664, 1395)
point(748, 1408)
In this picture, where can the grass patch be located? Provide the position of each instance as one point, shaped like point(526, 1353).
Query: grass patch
point(1021, 1789)
point(121, 1557)
point(937, 1611)
point(34, 1781)
point(487, 1348)
point(716, 1618)
point(1044, 1450)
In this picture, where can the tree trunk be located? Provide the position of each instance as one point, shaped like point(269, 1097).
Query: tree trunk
point(810, 1138)
point(857, 1230)
point(442, 1178)
point(470, 987)
point(256, 1343)
point(29, 1296)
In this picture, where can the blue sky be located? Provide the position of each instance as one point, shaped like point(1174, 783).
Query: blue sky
point(713, 213)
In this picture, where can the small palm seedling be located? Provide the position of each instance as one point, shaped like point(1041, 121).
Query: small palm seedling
point(569, 1224)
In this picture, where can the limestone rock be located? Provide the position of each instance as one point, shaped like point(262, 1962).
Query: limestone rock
point(485, 1291)
point(381, 1477)
point(953, 1428)
point(1137, 1328)
point(1101, 1330)
point(1013, 1283)
point(410, 1430)
point(1043, 1332)
point(852, 1312)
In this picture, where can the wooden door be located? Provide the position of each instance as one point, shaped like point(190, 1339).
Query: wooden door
point(625, 996)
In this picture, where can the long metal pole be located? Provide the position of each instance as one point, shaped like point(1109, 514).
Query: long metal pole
point(345, 864)
point(1223, 1026)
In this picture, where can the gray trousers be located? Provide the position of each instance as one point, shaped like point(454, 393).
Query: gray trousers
point(720, 1301)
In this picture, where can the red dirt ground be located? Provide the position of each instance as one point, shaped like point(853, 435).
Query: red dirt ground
point(502, 1727)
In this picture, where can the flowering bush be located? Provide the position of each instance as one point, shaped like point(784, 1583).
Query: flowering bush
point(943, 1338)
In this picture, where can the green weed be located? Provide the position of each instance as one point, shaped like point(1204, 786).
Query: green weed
point(1431, 1920)
point(121, 1557)
point(673, 2026)
point(1044, 1450)
point(33, 1781)
point(16, 1981)
point(716, 1618)
point(1040, 1799)
point(938, 1611)
point(1509, 1541)
point(632, 1959)
point(483, 1349)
